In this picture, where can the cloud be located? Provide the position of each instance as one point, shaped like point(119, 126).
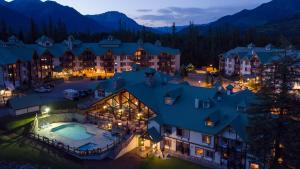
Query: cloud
point(144, 10)
point(182, 16)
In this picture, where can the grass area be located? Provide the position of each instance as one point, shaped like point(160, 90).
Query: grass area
point(12, 123)
point(173, 163)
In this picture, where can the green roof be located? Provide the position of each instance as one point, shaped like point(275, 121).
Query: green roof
point(27, 101)
point(154, 135)
point(265, 54)
point(16, 50)
point(183, 113)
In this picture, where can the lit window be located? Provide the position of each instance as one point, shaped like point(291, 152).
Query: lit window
point(209, 123)
point(199, 151)
point(254, 166)
point(206, 139)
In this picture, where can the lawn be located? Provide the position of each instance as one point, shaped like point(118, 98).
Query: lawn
point(173, 163)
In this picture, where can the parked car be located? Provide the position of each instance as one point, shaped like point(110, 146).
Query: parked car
point(71, 94)
point(83, 93)
point(42, 89)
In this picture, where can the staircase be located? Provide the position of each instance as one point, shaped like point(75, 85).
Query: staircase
point(128, 144)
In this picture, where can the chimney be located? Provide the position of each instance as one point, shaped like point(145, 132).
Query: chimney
point(149, 77)
point(196, 103)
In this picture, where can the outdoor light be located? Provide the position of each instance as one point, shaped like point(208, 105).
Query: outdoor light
point(119, 124)
point(199, 81)
point(2, 92)
point(104, 107)
point(47, 110)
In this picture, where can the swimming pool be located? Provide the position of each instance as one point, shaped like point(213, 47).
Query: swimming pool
point(88, 146)
point(72, 131)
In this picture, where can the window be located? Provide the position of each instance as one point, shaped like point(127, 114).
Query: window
point(167, 143)
point(206, 104)
point(168, 129)
point(254, 165)
point(179, 132)
point(199, 151)
point(209, 123)
point(206, 139)
point(209, 154)
point(169, 101)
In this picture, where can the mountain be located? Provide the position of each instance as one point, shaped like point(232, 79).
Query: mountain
point(113, 20)
point(289, 26)
point(14, 21)
point(272, 11)
point(168, 29)
point(42, 12)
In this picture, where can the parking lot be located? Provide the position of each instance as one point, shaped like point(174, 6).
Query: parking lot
point(57, 92)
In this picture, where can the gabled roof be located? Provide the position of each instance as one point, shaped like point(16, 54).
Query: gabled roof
point(265, 54)
point(15, 49)
point(183, 114)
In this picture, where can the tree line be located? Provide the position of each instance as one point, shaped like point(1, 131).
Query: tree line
point(197, 47)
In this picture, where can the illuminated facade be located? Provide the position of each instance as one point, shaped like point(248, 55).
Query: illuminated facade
point(27, 63)
point(205, 125)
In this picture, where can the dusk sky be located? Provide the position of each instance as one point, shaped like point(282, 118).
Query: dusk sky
point(164, 12)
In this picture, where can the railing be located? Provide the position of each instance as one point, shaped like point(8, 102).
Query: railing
point(73, 150)
point(119, 147)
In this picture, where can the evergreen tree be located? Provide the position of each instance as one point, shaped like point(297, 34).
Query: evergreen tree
point(33, 35)
point(21, 35)
point(274, 120)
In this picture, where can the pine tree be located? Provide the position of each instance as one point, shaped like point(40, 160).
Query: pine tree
point(33, 31)
point(274, 120)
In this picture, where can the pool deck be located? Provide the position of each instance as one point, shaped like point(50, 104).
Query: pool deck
point(97, 138)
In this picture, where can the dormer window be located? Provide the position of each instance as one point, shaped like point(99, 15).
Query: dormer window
point(209, 123)
point(206, 104)
point(169, 100)
point(171, 96)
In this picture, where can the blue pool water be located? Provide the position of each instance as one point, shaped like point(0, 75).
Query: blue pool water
point(88, 146)
point(72, 131)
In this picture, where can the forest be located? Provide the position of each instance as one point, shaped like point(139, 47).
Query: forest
point(197, 47)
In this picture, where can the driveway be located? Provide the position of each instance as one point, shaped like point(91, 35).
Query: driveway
point(57, 92)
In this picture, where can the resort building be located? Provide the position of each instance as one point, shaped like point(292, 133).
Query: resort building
point(205, 125)
point(26, 64)
point(250, 61)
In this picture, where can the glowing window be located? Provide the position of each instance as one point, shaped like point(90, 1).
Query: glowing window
point(254, 166)
point(199, 151)
point(206, 139)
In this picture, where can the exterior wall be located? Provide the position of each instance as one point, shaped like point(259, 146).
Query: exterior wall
point(41, 67)
point(245, 67)
point(132, 145)
point(1, 76)
point(229, 66)
point(177, 62)
point(56, 62)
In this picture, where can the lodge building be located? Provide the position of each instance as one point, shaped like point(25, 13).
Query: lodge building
point(251, 61)
point(205, 125)
point(25, 64)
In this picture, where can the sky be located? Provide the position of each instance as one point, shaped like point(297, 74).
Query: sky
point(164, 12)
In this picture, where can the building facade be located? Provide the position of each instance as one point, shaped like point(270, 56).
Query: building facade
point(250, 61)
point(204, 125)
point(24, 64)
